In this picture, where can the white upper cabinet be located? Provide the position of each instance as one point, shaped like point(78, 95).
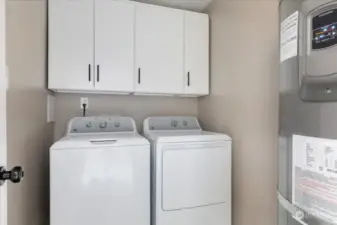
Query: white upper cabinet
point(117, 46)
point(71, 45)
point(159, 50)
point(196, 53)
point(114, 46)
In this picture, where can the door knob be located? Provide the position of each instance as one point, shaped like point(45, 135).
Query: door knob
point(15, 175)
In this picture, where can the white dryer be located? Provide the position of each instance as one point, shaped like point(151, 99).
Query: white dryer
point(191, 173)
point(100, 174)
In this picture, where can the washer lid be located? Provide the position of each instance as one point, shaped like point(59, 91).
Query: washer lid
point(99, 140)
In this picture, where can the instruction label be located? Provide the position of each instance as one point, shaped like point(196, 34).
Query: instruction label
point(289, 37)
point(314, 174)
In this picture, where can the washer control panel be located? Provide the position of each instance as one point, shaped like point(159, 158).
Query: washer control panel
point(101, 124)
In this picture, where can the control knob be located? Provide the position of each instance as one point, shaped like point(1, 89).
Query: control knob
point(103, 124)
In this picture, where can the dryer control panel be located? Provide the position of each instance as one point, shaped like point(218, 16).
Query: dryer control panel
point(171, 123)
point(99, 124)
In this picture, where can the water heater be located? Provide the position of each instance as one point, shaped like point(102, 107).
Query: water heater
point(307, 181)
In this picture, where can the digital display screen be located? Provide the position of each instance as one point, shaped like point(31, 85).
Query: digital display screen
point(324, 29)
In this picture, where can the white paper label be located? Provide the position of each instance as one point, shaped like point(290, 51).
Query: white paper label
point(289, 36)
point(314, 176)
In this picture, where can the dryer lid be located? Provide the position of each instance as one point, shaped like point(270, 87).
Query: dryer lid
point(186, 136)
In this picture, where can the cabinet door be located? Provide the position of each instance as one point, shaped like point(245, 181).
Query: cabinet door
point(71, 44)
point(159, 50)
point(196, 53)
point(114, 45)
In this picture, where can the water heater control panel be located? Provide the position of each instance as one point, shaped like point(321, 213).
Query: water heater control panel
point(324, 29)
point(318, 51)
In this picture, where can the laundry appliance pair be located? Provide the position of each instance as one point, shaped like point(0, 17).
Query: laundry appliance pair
point(104, 172)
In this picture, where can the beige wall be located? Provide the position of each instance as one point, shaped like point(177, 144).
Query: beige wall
point(68, 106)
point(244, 101)
point(29, 136)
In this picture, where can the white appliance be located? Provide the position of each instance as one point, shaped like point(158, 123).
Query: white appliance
point(100, 174)
point(191, 173)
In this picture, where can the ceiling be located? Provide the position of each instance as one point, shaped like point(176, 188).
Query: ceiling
point(193, 5)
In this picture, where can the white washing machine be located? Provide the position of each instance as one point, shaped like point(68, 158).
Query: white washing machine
point(100, 174)
point(191, 173)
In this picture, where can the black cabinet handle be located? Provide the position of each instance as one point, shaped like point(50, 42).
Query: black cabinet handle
point(188, 79)
point(138, 75)
point(89, 72)
point(97, 73)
